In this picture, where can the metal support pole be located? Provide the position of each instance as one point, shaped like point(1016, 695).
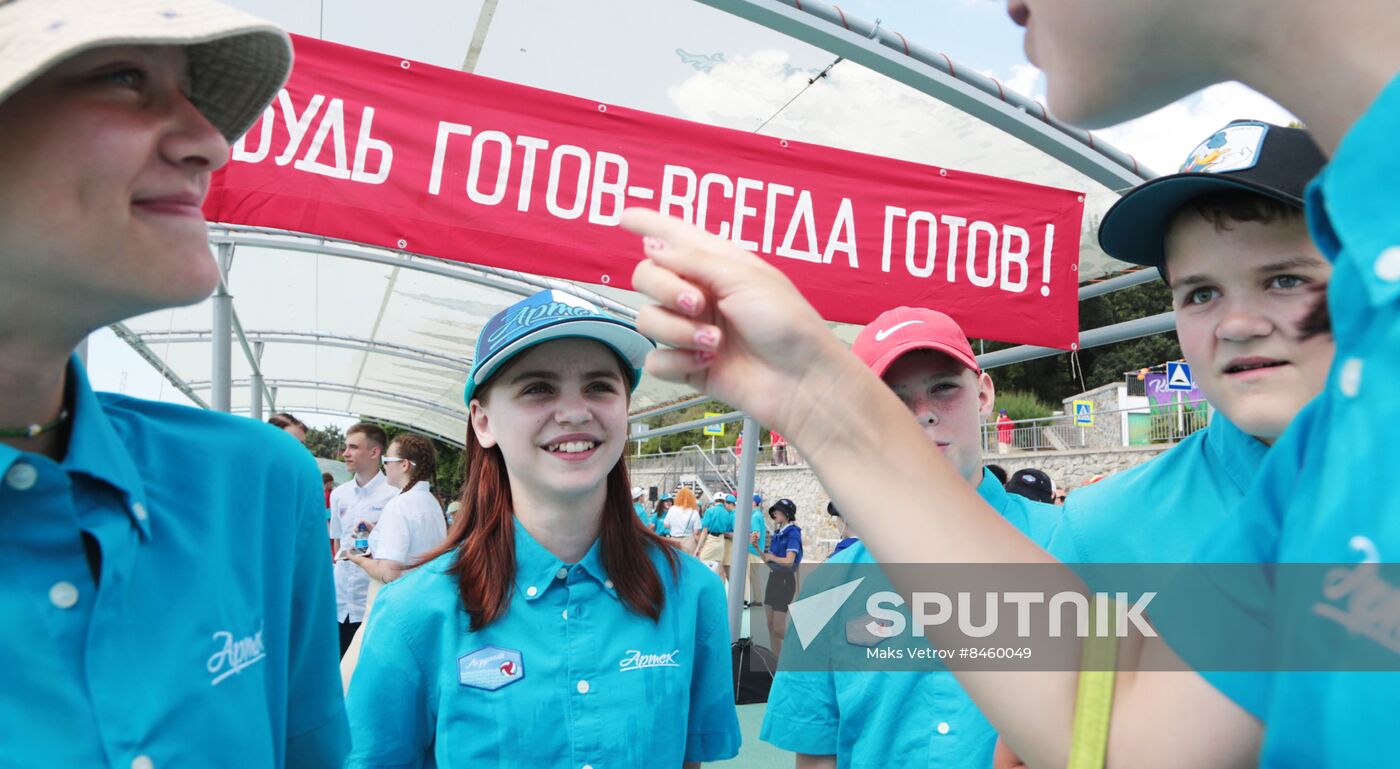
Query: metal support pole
point(221, 340)
point(739, 561)
point(257, 388)
point(273, 404)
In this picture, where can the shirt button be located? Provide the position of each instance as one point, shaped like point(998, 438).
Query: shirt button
point(21, 476)
point(63, 595)
point(1349, 380)
point(562, 573)
point(587, 766)
point(138, 510)
point(943, 727)
point(566, 614)
point(142, 762)
point(607, 583)
point(583, 687)
point(1388, 266)
point(532, 591)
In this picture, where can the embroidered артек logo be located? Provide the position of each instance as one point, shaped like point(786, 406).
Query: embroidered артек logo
point(635, 660)
point(234, 654)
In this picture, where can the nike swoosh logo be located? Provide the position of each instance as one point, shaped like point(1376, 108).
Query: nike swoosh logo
point(881, 336)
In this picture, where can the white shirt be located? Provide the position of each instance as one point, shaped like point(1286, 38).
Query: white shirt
point(682, 521)
point(411, 525)
point(350, 504)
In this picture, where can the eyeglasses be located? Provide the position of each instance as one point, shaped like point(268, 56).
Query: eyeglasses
point(387, 460)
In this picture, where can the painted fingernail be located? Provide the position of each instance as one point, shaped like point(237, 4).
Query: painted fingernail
point(653, 244)
point(707, 339)
point(689, 301)
point(704, 356)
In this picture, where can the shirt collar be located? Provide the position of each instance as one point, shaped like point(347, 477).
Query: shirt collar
point(536, 567)
point(1352, 203)
point(378, 480)
point(96, 450)
point(1238, 452)
point(420, 487)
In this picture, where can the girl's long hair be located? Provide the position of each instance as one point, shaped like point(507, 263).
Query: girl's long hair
point(686, 498)
point(483, 536)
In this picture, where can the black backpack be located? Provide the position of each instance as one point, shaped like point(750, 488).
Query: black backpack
point(753, 671)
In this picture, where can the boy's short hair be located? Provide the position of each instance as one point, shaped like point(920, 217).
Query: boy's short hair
point(372, 432)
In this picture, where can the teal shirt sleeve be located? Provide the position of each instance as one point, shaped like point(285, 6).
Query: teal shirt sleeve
point(802, 714)
point(1248, 536)
point(317, 733)
point(390, 722)
point(713, 732)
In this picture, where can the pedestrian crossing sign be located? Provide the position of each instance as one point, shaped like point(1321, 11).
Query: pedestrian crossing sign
point(1083, 413)
point(1179, 377)
point(714, 429)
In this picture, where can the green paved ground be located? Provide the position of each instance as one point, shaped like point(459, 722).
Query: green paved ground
point(755, 754)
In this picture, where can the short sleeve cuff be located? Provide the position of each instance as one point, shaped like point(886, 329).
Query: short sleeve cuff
point(814, 738)
point(711, 746)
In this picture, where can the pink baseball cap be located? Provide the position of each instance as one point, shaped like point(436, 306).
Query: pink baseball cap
point(905, 329)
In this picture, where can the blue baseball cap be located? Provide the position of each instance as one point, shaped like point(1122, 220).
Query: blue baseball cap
point(547, 316)
point(757, 498)
point(667, 498)
point(730, 498)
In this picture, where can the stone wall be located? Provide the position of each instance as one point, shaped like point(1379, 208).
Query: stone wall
point(1068, 469)
point(1072, 469)
point(1107, 431)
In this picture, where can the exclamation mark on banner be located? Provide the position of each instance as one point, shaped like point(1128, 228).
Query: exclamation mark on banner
point(1045, 262)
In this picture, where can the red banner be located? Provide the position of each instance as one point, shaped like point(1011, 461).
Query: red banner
point(388, 152)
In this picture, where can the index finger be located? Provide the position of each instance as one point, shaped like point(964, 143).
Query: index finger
point(687, 250)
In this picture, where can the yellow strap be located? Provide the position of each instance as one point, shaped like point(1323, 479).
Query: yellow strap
point(1093, 703)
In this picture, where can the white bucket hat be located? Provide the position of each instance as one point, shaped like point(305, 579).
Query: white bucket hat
point(237, 61)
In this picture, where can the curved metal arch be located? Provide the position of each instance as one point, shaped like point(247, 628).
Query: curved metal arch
point(492, 277)
point(311, 384)
point(319, 338)
point(885, 51)
point(309, 409)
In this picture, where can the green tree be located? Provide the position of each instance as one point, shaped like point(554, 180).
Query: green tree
point(1058, 377)
point(325, 442)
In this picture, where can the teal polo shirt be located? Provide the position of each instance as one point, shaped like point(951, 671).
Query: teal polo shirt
point(718, 520)
point(208, 636)
point(1158, 511)
point(1323, 494)
point(757, 524)
point(568, 676)
point(897, 719)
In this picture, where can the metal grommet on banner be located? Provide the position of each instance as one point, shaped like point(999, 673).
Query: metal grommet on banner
point(1074, 268)
point(602, 108)
point(405, 64)
point(942, 172)
point(606, 280)
point(782, 143)
point(1081, 198)
point(1074, 345)
point(403, 243)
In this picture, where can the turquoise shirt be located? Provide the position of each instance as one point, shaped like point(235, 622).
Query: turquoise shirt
point(1324, 493)
point(1158, 511)
point(756, 524)
point(641, 511)
point(718, 520)
point(567, 677)
point(897, 719)
point(208, 637)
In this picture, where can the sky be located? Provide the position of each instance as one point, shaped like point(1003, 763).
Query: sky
point(661, 55)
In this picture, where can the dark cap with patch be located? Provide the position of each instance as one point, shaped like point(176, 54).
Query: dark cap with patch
point(1248, 155)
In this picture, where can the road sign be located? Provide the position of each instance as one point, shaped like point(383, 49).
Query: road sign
point(714, 429)
point(1179, 377)
point(1084, 413)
